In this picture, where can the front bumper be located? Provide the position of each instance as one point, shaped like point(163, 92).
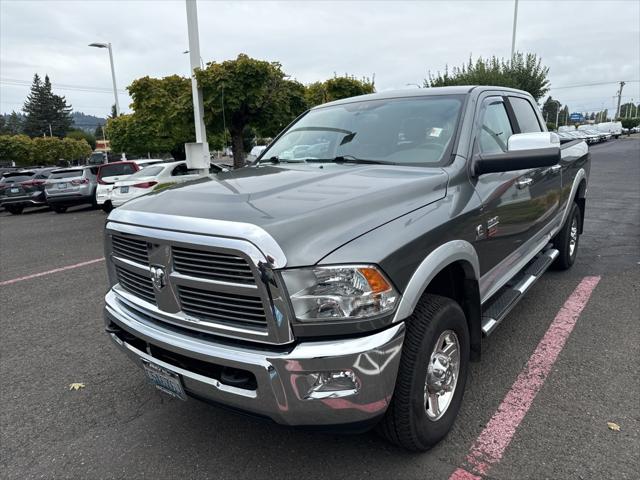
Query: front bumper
point(24, 201)
point(282, 379)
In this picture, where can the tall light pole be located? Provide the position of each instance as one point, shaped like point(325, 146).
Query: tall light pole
point(113, 72)
point(513, 36)
point(197, 153)
point(622, 84)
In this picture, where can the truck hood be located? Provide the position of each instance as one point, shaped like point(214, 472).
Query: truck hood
point(310, 210)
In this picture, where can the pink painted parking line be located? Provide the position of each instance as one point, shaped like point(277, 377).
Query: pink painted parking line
point(49, 272)
point(489, 447)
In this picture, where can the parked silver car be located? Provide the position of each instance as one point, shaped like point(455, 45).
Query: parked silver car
point(71, 186)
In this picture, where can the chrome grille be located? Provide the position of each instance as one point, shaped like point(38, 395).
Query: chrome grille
point(212, 265)
point(231, 309)
point(130, 248)
point(136, 284)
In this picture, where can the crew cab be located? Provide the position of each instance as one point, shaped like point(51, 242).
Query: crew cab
point(348, 277)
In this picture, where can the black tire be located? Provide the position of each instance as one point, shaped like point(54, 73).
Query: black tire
point(59, 209)
point(107, 206)
point(14, 210)
point(406, 423)
point(562, 241)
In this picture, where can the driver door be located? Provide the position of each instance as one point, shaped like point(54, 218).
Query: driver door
point(506, 197)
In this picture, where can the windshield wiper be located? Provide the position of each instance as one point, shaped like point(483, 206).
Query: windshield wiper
point(276, 159)
point(348, 159)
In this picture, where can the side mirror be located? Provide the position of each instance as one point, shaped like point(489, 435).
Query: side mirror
point(525, 151)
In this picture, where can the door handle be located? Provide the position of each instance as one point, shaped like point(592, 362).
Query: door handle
point(525, 182)
point(555, 168)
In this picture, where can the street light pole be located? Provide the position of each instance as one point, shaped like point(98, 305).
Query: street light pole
point(113, 72)
point(198, 155)
point(513, 36)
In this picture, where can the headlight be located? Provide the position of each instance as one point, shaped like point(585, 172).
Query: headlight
point(339, 292)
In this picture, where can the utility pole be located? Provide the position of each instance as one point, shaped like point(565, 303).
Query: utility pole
point(513, 36)
point(622, 84)
point(50, 132)
point(197, 153)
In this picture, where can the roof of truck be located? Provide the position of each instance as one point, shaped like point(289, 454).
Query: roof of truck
point(420, 92)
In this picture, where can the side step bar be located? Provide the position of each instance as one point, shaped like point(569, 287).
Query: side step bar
point(498, 307)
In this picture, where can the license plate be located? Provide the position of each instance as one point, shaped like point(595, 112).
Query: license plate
point(124, 189)
point(164, 380)
point(62, 186)
point(15, 190)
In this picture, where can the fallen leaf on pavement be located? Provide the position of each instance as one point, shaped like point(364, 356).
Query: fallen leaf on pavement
point(613, 426)
point(78, 386)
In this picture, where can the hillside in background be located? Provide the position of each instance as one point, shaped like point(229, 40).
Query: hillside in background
point(89, 123)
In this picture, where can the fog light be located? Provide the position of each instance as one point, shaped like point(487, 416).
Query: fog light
point(333, 384)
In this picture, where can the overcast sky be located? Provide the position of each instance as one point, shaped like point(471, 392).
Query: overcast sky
point(582, 41)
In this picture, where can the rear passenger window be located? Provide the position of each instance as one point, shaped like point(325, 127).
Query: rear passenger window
point(525, 114)
point(496, 129)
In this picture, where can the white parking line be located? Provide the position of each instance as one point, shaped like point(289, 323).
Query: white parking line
point(49, 272)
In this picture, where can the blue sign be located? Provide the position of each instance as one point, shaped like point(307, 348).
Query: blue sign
point(576, 117)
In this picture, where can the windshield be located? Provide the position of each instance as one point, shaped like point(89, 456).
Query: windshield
point(117, 169)
point(146, 172)
point(17, 177)
point(408, 131)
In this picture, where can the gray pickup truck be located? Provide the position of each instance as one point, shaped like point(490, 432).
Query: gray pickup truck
point(349, 275)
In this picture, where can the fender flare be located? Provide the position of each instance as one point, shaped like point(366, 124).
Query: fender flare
point(581, 175)
point(444, 255)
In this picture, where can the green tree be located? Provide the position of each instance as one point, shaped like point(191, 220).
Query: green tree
point(524, 72)
point(628, 110)
point(549, 109)
point(16, 148)
point(253, 93)
point(46, 112)
point(337, 88)
point(12, 124)
point(82, 135)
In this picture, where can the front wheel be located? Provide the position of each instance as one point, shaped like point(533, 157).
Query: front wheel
point(431, 377)
point(14, 210)
point(568, 239)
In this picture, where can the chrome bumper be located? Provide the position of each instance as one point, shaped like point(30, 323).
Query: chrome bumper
point(283, 379)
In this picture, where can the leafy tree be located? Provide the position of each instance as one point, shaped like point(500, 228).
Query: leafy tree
point(549, 109)
point(628, 110)
point(82, 135)
point(524, 72)
point(256, 94)
point(337, 88)
point(46, 112)
point(630, 122)
point(16, 148)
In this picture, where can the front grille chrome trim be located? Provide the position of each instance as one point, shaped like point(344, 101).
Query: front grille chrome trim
point(236, 310)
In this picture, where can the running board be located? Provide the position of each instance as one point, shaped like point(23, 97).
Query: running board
point(499, 306)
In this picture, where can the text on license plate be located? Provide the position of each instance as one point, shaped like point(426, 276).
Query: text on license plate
point(164, 380)
point(61, 186)
point(124, 189)
point(15, 190)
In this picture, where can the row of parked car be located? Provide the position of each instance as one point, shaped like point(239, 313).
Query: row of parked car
point(107, 186)
point(587, 133)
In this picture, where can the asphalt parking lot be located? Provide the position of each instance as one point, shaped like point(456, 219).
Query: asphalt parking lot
point(119, 427)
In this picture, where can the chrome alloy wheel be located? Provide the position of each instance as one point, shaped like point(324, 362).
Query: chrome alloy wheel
point(442, 375)
point(573, 237)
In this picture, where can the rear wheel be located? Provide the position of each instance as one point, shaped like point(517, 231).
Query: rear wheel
point(14, 210)
point(567, 240)
point(107, 206)
point(59, 209)
point(431, 377)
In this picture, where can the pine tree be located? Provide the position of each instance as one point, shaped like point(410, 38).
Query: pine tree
point(46, 113)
